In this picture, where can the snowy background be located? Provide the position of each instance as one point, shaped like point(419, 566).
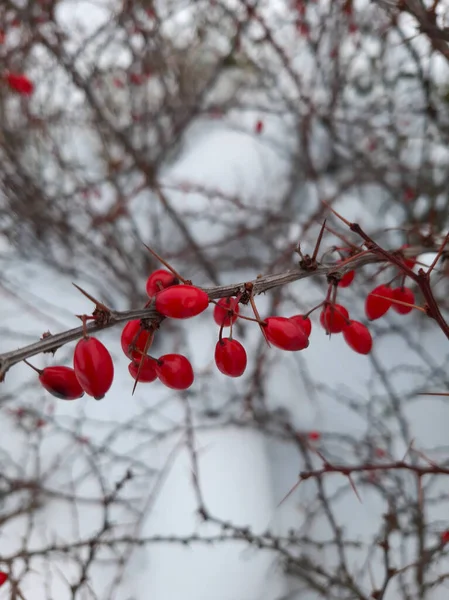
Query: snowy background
point(245, 199)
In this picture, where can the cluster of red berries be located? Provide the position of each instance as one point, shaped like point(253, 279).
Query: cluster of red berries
point(93, 369)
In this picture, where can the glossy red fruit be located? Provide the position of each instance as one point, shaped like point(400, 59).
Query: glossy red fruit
point(3, 577)
point(61, 382)
point(159, 280)
point(134, 339)
point(175, 371)
point(20, 83)
point(347, 279)
point(358, 337)
point(93, 367)
point(230, 357)
point(181, 301)
point(304, 322)
point(334, 318)
point(314, 436)
point(376, 307)
point(285, 334)
point(222, 309)
point(403, 294)
point(147, 372)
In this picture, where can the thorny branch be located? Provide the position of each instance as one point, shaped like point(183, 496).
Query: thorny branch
point(259, 285)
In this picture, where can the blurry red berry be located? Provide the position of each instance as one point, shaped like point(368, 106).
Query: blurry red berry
point(334, 318)
point(134, 339)
point(314, 436)
point(147, 372)
point(403, 294)
point(376, 307)
point(347, 279)
point(159, 280)
point(93, 367)
point(3, 577)
point(181, 301)
point(175, 371)
point(230, 357)
point(285, 334)
point(259, 127)
point(222, 309)
point(444, 536)
point(358, 337)
point(136, 78)
point(304, 322)
point(20, 83)
point(61, 382)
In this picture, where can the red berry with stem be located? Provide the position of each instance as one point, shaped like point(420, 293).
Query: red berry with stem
point(60, 381)
point(347, 279)
point(285, 334)
point(304, 322)
point(134, 339)
point(403, 294)
point(376, 307)
point(230, 357)
point(181, 301)
point(174, 371)
point(93, 367)
point(226, 311)
point(334, 318)
point(145, 371)
point(358, 337)
point(159, 280)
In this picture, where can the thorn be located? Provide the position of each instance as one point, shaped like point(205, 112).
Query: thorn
point(438, 256)
point(354, 488)
point(338, 215)
point(290, 492)
point(433, 394)
point(166, 264)
point(97, 303)
point(318, 242)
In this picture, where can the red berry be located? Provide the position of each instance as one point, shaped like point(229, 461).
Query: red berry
point(134, 339)
point(334, 318)
point(347, 279)
point(230, 357)
point(61, 382)
point(444, 536)
point(314, 435)
point(285, 334)
point(358, 337)
point(20, 83)
point(304, 322)
point(147, 372)
point(159, 280)
point(376, 307)
point(3, 577)
point(181, 301)
point(175, 371)
point(259, 127)
point(403, 294)
point(93, 367)
point(222, 309)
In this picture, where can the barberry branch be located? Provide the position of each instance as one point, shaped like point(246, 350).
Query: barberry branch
point(263, 283)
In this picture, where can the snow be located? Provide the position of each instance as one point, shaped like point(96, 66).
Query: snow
point(243, 475)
